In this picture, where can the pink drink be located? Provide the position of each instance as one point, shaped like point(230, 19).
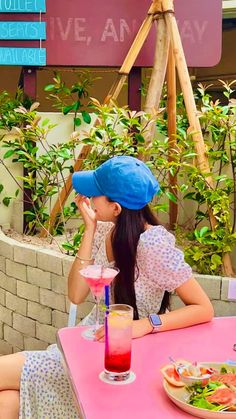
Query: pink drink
point(118, 342)
point(97, 278)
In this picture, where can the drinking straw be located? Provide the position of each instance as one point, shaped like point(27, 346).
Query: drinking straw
point(107, 297)
point(107, 311)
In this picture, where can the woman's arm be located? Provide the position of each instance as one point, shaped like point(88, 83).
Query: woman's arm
point(78, 289)
point(197, 309)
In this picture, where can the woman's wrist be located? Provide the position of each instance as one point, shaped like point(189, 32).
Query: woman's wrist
point(141, 327)
point(84, 260)
point(84, 253)
point(90, 228)
point(147, 325)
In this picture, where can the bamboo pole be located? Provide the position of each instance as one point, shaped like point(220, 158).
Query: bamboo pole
point(134, 50)
point(157, 77)
point(195, 127)
point(171, 112)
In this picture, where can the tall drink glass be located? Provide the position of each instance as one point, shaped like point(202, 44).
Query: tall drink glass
point(97, 276)
point(118, 338)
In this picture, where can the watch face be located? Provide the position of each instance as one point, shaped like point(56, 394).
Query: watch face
point(155, 319)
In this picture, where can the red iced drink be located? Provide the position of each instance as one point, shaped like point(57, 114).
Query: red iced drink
point(118, 342)
point(118, 362)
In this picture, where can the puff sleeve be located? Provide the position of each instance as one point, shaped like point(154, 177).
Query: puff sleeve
point(160, 261)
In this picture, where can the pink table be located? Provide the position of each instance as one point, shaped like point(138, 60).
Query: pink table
point(145, 397)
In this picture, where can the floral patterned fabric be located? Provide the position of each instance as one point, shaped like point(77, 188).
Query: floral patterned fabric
point(44, 390)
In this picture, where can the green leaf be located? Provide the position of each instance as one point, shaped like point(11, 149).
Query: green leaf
point(139, 138)
point(65, 154)
point(184, 187)
point(9, 153)
point(45, 122)
point(1, 187)
point(216, 260)
point(87, 141)
point(49, 87)
point(197, 233)
point(99, 135)
point(67, 246)
point(190, 155)
point(203, 231)
point(74, 89)
point(190, 195)
point(67, 109)
point(86, 117)
point(76, 105)
point(77, 122)
point(171, 197)
point(6, 201)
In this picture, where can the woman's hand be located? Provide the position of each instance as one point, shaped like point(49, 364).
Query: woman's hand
point(100, 334)
point(88, 215)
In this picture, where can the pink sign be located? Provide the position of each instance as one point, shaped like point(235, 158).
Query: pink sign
point(100, 33)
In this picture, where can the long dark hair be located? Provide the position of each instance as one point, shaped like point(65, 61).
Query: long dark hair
point(125, 236)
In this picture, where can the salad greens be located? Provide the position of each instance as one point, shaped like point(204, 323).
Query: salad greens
point(224, 370)
point(199, 394)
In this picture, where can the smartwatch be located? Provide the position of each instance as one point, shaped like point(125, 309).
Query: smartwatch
point(155, 322)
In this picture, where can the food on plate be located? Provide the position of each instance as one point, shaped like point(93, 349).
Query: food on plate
point(228, 378)
point(182, 372)
point(217, 393)
point(194, 374)
point(195, 371)
point(214, 396)
point(222, 395)
point(170, 374)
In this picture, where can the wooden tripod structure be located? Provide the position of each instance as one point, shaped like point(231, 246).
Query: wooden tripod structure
point(169, 55)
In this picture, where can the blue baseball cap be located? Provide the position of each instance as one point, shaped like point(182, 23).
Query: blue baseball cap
point(123, 179)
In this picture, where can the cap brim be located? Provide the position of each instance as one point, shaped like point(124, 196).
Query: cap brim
point(84, 183)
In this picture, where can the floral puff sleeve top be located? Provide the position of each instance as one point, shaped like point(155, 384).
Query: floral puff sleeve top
point(160, 267)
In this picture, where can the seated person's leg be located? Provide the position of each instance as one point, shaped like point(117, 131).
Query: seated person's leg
point(10, 371)
point(44, 387)
point(9, 404)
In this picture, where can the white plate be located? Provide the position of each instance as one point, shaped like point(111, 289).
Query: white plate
point(180, 396)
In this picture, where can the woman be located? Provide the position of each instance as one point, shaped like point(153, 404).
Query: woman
point(128, 236)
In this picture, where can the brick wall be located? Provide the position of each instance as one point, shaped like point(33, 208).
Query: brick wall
point(33, 300)
point(216, 288)
point(33, 295)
